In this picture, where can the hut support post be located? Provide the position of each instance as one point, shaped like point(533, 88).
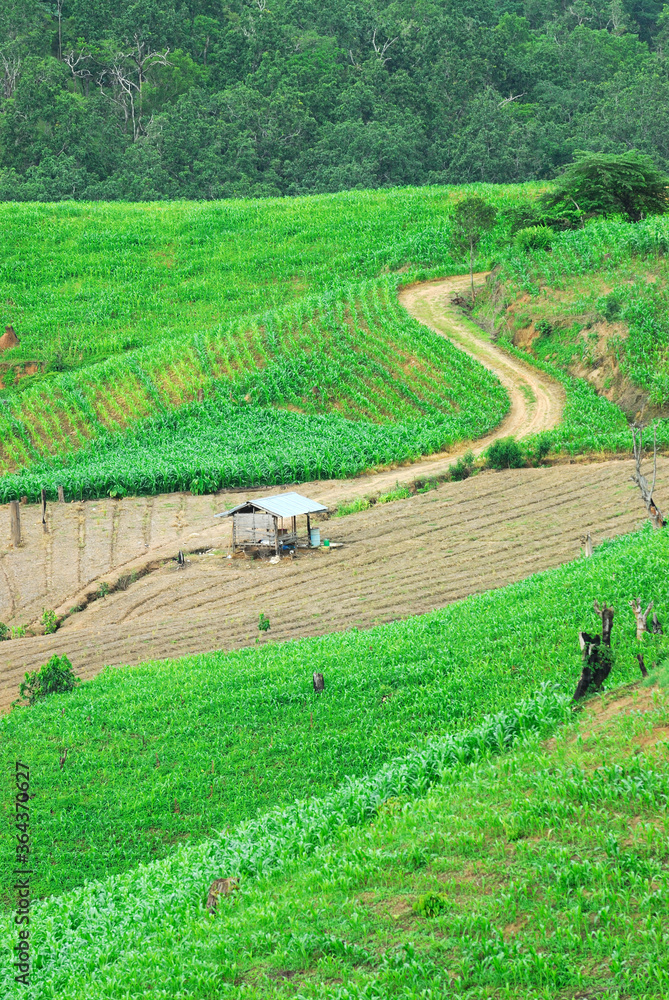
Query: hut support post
point(276, 535)
point(309, 529)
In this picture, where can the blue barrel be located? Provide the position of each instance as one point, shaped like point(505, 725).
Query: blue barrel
point(315, 538)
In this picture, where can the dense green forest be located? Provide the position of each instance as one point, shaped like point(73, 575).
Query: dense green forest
point(213, 99)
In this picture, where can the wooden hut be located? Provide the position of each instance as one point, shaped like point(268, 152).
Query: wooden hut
point(270, 524)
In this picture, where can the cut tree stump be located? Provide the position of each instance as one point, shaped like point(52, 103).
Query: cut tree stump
point(597, 667)
point(61, 495)
point(657, 627)
point(641, 616)
point(606, 614)
point(319, 682)
point(220, 887)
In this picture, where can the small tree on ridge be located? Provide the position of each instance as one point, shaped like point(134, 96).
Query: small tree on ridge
point(472, 219)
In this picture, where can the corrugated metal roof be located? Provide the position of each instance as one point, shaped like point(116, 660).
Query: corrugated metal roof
point(283, 505)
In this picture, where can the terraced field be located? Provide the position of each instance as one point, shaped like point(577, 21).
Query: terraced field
point(397, 559)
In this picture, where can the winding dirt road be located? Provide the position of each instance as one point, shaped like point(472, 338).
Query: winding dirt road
point(537, 400)
point(398, 559)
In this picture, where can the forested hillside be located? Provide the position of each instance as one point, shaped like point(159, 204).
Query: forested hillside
point(208, 99)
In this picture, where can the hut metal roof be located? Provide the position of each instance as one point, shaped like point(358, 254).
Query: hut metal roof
point(281, 505)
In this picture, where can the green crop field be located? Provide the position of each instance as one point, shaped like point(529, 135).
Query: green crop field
point(172, 751)
point(134, 311)
point(323, 391)
point(169, 336)
point(172, 767)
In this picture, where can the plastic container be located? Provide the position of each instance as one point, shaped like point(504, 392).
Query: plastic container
point(315, 538)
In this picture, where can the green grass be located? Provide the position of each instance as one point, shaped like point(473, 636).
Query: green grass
point(170, 752)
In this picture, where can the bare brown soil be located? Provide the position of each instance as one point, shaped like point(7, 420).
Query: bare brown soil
point(115, 558)
point(397, 559)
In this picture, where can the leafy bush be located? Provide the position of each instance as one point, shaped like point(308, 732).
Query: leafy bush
point(54, 677)
point(4, 632)
point(534, 238)
point(49, 621)
point(399, 493)
point(544, 328)
point(538, 447)
point(506, 453)
point(431, 904)
point(354, 507)
point(610, 306)
point(594, 184)
point(263, 622)
point(463, 468)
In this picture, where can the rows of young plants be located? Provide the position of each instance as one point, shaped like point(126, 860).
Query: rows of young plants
point(93, 941)
point(370, 384)
point(85, 281)
point(172, 753)
point(177, 750)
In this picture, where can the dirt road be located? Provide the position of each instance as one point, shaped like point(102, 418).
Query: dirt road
point(399, 559)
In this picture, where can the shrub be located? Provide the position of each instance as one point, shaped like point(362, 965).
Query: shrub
point(54, 677)
point(4, 631)
point(610, 306)
point(543, 327)
point(538, 448)
point(354, 507)
point(49, 621)
point(506, 453)
point(594, 184)
point(431, 904)
point(263, 622)
point(463, 468)
point(533, 238)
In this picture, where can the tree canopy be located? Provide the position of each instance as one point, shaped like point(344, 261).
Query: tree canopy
point(219, 98)
point(628, 184)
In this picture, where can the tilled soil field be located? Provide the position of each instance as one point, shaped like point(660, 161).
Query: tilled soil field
point(397, 559)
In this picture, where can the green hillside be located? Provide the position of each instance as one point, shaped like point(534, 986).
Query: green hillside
point(172, 767)
point(170, 752)
point(592, 309)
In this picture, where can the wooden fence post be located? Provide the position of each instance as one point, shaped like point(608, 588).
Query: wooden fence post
point(43, 499)
point(61, 495)
point(15, 522)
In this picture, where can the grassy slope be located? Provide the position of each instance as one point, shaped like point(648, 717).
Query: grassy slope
point(552, 866)
point(168, 292)
point(596, 305)
point(173, 751)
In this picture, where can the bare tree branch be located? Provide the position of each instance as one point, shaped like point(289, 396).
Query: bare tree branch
point(654, 511)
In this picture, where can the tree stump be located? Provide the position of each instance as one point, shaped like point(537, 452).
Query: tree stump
point(657, 627)
point(220, 887)
point(606, 614)
point(15, 523)
point(61, 495)
point(598, 663)
point(642, 665)
point(641, 616)
point(319, 682)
